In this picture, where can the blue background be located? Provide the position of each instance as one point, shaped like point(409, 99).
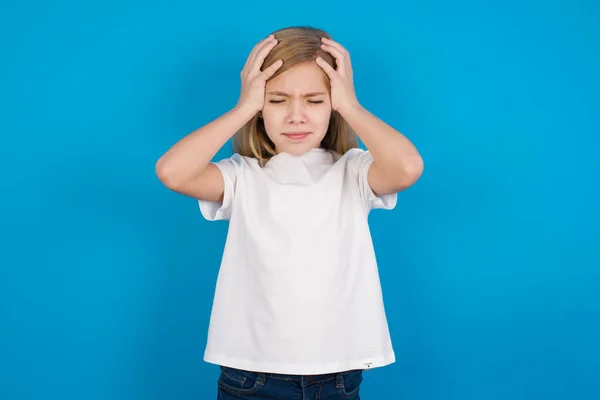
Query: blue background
point(489, 264)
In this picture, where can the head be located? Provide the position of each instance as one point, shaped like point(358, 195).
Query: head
point(297, 100)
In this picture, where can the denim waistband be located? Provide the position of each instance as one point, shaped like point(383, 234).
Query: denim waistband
point(306, 379)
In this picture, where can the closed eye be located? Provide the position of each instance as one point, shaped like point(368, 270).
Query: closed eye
point(310, 101)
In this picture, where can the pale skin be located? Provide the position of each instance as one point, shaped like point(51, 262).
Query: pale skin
point(397, 164)
point(296, 101)
point(185, 168)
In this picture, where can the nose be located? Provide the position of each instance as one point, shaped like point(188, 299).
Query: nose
point(296, 113)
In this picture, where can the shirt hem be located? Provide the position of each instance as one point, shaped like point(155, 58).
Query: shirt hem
point(299, 369)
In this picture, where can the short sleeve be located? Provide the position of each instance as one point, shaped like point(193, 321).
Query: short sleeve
point(362, 161)
point(215, 210)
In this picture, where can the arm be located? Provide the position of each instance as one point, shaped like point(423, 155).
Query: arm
point(397, 163)
point(186, 167)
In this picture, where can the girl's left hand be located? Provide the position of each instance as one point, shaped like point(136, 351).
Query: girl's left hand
point(342, 85)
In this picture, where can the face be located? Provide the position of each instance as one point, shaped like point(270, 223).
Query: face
point(297, 109)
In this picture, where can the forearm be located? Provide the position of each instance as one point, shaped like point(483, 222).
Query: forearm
point(190, 155)
point(395, 155)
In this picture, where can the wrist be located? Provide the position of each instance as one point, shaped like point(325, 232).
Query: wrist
point(346, 108)
point(246, 109)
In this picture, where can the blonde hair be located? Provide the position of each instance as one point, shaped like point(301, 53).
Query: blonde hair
point(296, 45)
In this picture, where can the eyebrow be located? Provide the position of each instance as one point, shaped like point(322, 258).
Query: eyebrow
point(311, 94)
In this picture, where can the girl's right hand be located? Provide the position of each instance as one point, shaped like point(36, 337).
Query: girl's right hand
point(253, 79)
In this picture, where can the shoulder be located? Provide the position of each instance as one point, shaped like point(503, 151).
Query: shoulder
point(356, 158)
point(239, 161)
point(355, 153)
point(236, 166)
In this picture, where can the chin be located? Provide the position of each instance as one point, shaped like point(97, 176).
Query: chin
point(296, 146)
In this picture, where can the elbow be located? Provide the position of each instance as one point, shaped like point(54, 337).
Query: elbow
point(165, 174)
point(409, 174)
point(415, 170)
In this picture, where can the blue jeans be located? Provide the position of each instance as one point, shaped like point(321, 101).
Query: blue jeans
point(247, 385)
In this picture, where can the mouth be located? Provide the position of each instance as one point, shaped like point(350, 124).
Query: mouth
point(296, 136)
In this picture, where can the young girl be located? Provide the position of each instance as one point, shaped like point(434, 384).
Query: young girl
point(298, 310)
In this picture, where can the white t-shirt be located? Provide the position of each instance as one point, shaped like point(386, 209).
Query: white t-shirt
point(298, 290)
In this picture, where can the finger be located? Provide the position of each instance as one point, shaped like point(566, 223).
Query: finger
point(338, 46)
point(340, 58)
point(326, 67)
point(268, 72)
point(259, 56)
point(255, 49)
point(343, 50)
